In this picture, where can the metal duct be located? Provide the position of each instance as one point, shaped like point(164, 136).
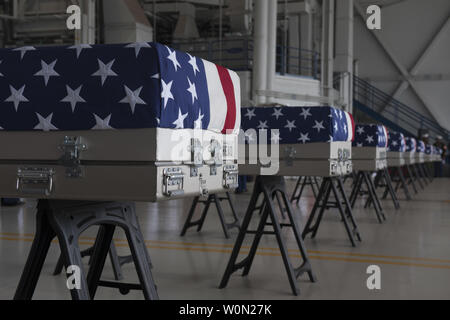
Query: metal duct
point(240, 12)
point(125, 21)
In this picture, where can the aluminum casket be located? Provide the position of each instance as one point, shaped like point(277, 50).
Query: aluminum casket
point(410, 153)
point(136, 122)
point(369, 150)
point(420, 152)
point(306, 141)
point(396, 149)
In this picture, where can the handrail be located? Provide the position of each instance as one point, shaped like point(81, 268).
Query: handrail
point(237, 54)
point(390, 99)
point(375, 99)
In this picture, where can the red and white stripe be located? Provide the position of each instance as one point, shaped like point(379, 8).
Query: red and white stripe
point(385, 131)
point(350, 126)
point(225, 90)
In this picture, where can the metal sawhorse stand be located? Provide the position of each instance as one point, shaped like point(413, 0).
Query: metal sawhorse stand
point(384, 174)
point(67, 220)
point(364, 177)
point(268, 187)
point(398, 176)
point(302, 182)
point(421, 173)
point(426, 172)
point(216, 199)
point(116, 261)
point(336, 186)
point(417, 177)
point(411, 177)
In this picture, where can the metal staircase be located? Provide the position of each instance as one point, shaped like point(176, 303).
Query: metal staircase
point(392, 113)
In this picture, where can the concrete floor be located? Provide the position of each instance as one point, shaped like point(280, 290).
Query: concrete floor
point(412, 248)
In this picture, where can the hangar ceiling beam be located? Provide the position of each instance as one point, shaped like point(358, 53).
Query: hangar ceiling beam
point(393, 58)
point(437, 38)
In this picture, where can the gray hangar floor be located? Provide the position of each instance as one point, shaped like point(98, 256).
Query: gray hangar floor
point(412, 249)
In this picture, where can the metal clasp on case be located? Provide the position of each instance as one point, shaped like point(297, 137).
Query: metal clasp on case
point(230, 176)
point(196, 161)
point(334, 168)
point(38, 181)
point(72, 147)
point(216, 156)
point(173, 182)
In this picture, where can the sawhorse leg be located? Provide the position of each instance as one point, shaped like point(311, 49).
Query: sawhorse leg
point(422, 175)
point(390, 188)
point(327, 188)
point(66, 220)
point(363, 176)
point(302, 182)
point(116, 261)
point(428, 173)
point(216, 200)
point(417, 176)
point(401, 182)
point(411, 178)
point(266, 187)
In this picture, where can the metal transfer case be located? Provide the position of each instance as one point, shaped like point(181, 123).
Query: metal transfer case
point(302, 141)
point(420, 152)
point(135, 122)
point(315, 159)
point(410, 153)
point(429, 153)
point(369, 152)
point(395, 159)
point(396, 149)
point(437, 154)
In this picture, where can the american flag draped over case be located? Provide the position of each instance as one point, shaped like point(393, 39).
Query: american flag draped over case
point(396, 142)
point(411, 144)
point(123, 86)
point(420, 146)
point(370, 135)
point(429, 149)
point(299, 124)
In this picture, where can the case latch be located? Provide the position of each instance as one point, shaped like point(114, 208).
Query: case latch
point(196, 161)
point(72, 147)
point(334, 168)
point(216, 156)
point(37, 181)
point(227, 150)
point(340, 155)
point(173, 182)
point(346, 154)
point(230, 176)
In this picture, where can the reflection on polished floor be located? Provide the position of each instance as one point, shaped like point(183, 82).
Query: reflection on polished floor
point(412, 248)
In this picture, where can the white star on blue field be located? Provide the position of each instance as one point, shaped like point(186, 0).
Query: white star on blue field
point(98, 87)
point(299, 124)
